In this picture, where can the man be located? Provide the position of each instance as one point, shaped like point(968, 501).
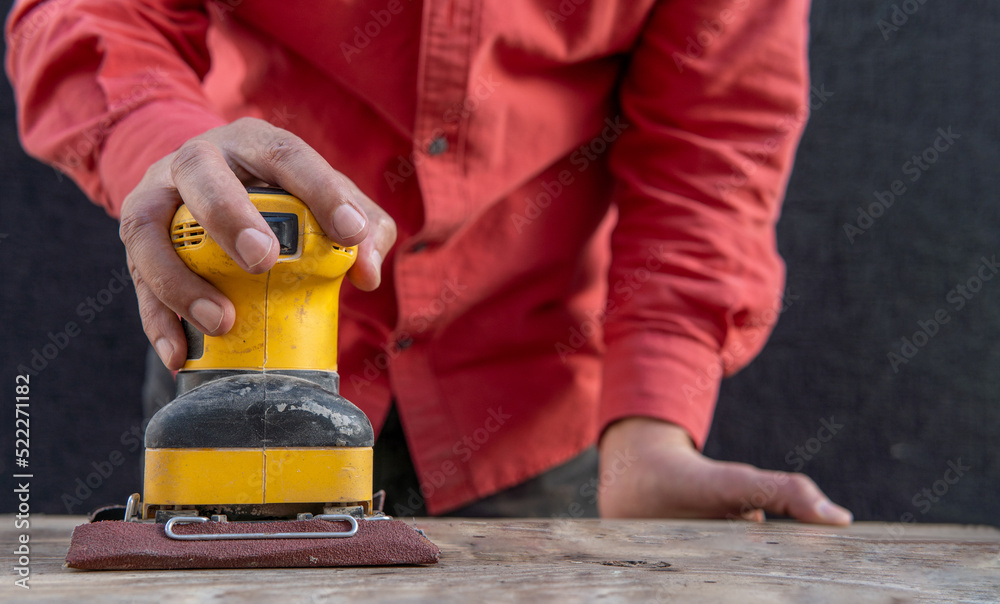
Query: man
point(564, 211)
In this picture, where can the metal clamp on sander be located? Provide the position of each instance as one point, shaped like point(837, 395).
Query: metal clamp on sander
point(258, 444)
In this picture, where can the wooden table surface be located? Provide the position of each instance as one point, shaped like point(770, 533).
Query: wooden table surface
point(572, 561)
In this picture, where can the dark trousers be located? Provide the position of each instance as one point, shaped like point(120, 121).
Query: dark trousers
point(568, 490)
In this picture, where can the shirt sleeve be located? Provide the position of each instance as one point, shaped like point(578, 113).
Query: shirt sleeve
point(715, 98)
point(105, 88)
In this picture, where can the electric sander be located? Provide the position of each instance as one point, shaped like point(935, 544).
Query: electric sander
point(258, 462)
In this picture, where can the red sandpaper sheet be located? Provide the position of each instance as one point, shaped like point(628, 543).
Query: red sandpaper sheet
point(117, 545)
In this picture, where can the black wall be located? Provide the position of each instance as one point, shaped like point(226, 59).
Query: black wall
point(860, 292)
point(881, 96)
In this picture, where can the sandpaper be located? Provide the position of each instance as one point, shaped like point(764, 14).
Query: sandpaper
point(119, 545)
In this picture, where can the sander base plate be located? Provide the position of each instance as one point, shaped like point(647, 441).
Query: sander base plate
point(120, 545)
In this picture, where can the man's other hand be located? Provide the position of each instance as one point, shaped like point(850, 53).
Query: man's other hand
point(651, 469)
point(209, 173)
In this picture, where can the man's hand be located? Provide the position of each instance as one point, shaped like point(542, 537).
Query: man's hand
point(650, 469)
point(209, 174)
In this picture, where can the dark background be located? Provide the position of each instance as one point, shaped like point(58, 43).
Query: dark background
point(849, 304)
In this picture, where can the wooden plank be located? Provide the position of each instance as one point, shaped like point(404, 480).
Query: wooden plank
point(574, 561)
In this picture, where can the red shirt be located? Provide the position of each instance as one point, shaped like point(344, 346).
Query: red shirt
point(586, 192)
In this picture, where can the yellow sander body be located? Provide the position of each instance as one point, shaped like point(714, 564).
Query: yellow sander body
point(258, 462)
point(258, 429)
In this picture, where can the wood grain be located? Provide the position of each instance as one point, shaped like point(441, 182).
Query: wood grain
point(574, 561)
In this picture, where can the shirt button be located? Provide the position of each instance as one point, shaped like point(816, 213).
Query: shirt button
point(404, 342)
point(437, 146)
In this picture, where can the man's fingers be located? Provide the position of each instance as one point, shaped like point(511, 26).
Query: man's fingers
point(671, 479)
point(366, 274)
point(219, 201)
point(159, 270)
point(784, 494)
point(346, 214)
point(801, 499)
point(160, 324)
point(209, 174)
point(278, 156)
